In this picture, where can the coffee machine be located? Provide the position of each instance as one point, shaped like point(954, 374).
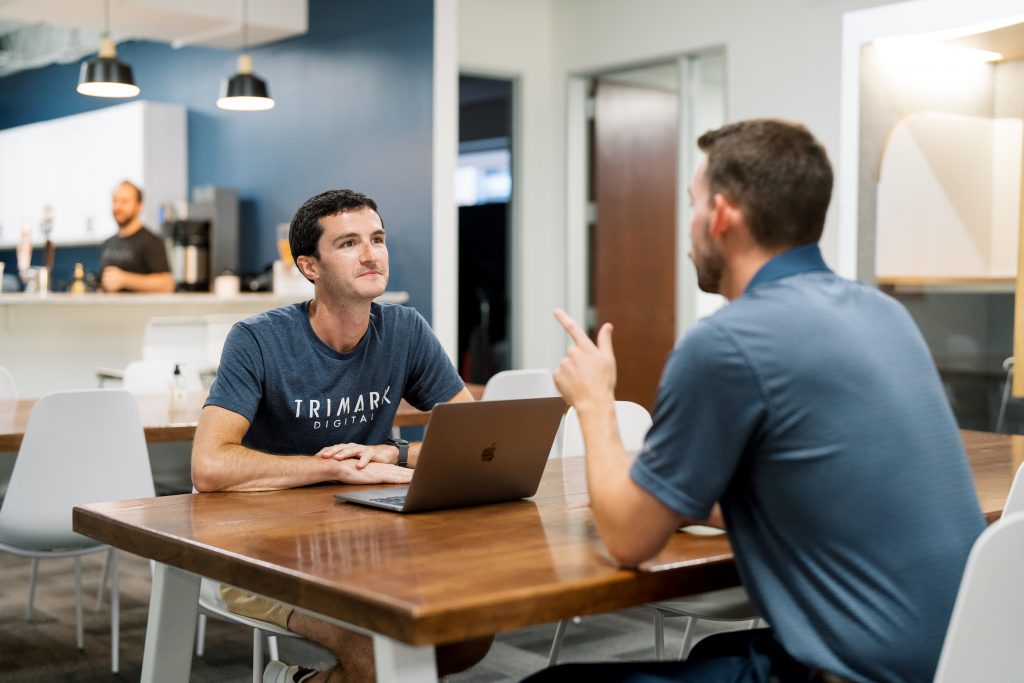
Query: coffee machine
point(190, 254)
point(203, 238)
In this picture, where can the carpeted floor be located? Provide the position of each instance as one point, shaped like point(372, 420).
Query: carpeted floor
point(43, 649)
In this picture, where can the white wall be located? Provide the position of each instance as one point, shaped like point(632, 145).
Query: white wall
point(783, 59)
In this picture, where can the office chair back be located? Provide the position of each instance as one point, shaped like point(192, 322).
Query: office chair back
point(156, 376)
point(983, 639)
point(515, 384)
point(79, 447)
point(1015, 499)
point(8, 389)
point(633, 421)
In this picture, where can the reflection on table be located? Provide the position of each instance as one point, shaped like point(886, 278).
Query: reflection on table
point(414, 581)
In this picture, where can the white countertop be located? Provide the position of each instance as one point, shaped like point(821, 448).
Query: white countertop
point(179, 299)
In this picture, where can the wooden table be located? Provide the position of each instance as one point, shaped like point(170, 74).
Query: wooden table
point(415, 581)
point(161, 423)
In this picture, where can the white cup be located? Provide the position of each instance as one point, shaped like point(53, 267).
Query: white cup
point(226, 285)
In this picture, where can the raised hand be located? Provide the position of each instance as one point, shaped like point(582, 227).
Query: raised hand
point(587, 373)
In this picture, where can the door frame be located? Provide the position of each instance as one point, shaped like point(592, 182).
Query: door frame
point(515, 212)
point(577, 184)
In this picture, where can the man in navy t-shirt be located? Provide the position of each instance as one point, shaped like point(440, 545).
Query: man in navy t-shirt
point(810, 409)
point(307, 394)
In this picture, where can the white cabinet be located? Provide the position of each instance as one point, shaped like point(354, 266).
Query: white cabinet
point(72, 164)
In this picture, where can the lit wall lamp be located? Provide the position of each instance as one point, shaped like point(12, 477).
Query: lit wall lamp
point(245, 91)
point(106, 75)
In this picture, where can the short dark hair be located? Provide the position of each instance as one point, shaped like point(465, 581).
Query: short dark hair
point(777, 173)
point(305, 231)
point(138, 190)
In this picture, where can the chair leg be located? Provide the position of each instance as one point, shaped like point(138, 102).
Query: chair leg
point(556, 644)
point(115, 612)
point(200, 635)
point(32, 587)
point(272, 647)
point(659, 634)
point(687, 637)
point(257, 656)
point(1001, 420)
point(103, 579)
point(79, 637)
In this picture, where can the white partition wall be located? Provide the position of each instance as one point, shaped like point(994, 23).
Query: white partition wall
point(949, 198)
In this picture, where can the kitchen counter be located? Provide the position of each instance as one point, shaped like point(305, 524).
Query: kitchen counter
point(185, 299)
point(58, 341)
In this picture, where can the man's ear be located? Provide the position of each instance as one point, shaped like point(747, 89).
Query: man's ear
point(308, 266)
point(725, 214)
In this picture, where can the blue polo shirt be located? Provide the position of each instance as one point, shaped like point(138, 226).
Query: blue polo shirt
point(811, 409)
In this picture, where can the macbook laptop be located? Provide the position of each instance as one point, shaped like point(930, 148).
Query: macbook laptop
point(475, 453)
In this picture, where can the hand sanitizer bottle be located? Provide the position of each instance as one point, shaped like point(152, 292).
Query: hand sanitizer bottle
point(178, 394)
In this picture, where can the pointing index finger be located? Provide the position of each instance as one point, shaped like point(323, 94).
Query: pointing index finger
point(572, 328)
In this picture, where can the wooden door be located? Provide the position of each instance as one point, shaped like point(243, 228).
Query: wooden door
point(633, 240)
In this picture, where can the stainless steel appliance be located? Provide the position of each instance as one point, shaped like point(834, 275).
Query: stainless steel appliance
point(190, 254)
point(202, 237)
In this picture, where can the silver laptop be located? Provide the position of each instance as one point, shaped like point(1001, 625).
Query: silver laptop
point(475, 453)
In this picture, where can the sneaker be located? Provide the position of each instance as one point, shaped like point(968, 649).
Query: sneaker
point(279, 672)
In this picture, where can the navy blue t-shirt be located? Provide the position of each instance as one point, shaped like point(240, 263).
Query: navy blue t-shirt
point(300, 395)
point(811, 409)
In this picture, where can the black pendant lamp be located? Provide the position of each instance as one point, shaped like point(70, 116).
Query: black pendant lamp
point(106, 75)
point(245, 91)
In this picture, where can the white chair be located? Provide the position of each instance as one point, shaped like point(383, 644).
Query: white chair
point(983, 639)
point(1007, 389)
point(8, 389)
point(218, 325)
point(177, 338)
point(79, 447)
point(170, 462)
point(514, 384)
point(211, 604)
point(633, 421)
point(155, 376)
point(8, 392)
point(1015, 499)
point(730, 604)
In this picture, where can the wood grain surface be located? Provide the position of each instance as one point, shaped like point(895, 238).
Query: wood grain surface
point(426, 578)
point(441, 576)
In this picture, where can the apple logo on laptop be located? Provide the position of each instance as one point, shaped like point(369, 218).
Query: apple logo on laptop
point(487, 454)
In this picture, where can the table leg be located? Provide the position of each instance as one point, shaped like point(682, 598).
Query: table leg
point(397, 661)
point(172, 624)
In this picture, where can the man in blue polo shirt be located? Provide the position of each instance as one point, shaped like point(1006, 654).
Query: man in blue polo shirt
point(810, 410)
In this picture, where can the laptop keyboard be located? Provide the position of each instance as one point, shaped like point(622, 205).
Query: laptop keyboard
point(390, 500)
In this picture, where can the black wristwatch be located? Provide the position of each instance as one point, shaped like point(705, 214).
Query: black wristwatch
point(403, 451)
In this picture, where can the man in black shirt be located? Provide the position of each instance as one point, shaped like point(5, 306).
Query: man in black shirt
point(134, 259)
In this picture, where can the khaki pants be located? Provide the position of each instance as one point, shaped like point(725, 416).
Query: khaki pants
point(255, 606)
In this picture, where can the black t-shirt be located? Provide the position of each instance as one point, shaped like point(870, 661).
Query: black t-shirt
point(141, 252)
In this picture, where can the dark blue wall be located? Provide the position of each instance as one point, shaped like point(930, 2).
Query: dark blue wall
point(354, 101)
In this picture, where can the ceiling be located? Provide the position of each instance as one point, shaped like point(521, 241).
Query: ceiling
point(35, 33)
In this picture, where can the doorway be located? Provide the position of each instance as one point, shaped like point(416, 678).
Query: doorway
point(642, 125)
point(483, 189)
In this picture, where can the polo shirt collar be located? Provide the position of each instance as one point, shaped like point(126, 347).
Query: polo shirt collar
point(802, 259)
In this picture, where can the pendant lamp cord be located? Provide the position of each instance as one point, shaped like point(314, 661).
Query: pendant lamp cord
point(106, 19)
point(245, 25)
